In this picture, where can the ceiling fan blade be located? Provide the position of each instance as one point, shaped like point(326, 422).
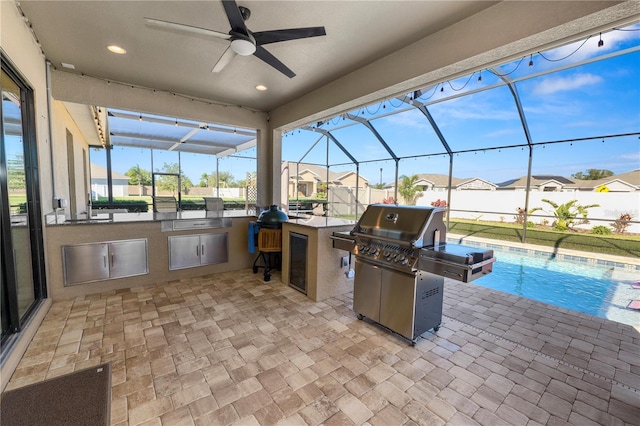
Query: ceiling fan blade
point(235, 17)
point(184, 29)
point(224, 60)
point(275, 36)
point(267, 57)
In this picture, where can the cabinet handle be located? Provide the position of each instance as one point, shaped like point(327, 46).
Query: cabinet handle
point(112, 255)
point(202, 249)
point(104, 260)
point(198, 250)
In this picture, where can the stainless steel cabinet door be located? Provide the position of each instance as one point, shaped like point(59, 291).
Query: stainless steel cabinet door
point(214, 248)
point(128, 258)
point(85, 263)
point(184, 251)
point(366, 290)
point(398, 302)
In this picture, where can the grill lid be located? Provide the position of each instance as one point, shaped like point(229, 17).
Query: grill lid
point(408, 225)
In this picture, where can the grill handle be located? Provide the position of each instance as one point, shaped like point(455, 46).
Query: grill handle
point(459, 265)
point(343, 243)
point(387, 239)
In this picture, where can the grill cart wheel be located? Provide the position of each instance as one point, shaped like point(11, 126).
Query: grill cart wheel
point(267, 277)
point(436, 328)
point(255, 269)
point(359, 316)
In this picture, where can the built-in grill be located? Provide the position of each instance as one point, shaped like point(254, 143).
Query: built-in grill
point(401, 260)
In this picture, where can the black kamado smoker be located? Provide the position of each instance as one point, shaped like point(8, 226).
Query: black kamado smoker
point(269, 226)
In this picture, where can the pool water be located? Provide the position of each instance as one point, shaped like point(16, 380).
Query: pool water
point(592, 289)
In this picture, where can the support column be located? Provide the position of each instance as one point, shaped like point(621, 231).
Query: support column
point(269, 152)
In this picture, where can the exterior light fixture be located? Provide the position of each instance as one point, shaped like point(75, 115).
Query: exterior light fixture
point(530, 60)
point(140, 118)
point(261, 87)
point(480, 77)
point(116, 49)
point(601, 42)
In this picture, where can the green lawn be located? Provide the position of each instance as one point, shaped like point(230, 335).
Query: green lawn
point(619, 245)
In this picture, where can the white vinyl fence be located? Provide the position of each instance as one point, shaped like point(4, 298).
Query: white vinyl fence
point(501, 206)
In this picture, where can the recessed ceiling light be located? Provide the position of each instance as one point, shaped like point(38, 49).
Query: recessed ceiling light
point(70, 66)
point(261, 87)
point(116, 49)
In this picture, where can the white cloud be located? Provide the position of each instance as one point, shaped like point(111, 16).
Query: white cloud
point(559, 84)
point(502, 132)
point(408, 119)
point(589, 48)
point(631, 156)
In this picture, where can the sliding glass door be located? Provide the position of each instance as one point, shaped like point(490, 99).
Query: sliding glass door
point(21, 260)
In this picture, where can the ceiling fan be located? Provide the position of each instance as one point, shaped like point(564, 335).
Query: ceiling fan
point(243, 41)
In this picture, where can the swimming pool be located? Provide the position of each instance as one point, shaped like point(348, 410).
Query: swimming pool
point(600, 290)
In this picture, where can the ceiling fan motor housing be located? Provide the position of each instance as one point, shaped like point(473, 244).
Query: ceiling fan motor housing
point(245, 12)
point(243, 45)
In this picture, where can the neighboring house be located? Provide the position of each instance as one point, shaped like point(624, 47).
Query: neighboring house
point(304, 179)
point(440, 183)
point(99, 185)
point(624, 182)
point(542, 183)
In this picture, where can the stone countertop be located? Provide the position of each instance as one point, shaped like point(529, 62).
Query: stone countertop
point(321, 222)
point(106, 218)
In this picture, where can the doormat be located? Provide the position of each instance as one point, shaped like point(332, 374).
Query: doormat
point(79, 398)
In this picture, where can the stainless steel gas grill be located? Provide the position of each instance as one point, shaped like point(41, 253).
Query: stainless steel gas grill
point(401, 260)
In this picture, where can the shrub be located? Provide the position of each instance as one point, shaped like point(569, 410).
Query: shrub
point(600, 230)
point(530, 224)
point(132, 206)
point(621, 224)
point(192, 205)
point(566, 214)
point(519, 218)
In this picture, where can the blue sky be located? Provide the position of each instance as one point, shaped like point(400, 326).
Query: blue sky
point(594, 99)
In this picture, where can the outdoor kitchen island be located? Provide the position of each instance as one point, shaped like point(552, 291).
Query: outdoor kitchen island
point(123, 250)
point(310, 264)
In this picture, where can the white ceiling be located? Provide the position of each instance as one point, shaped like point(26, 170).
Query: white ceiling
point(358, 33)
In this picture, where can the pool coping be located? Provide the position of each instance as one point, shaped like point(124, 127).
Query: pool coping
point(627, 263)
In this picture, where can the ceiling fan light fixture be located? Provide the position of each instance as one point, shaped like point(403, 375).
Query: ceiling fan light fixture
point(243, 47)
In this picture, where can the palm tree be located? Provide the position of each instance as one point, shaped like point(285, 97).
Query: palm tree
point(408, 189)
point(204, 180)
